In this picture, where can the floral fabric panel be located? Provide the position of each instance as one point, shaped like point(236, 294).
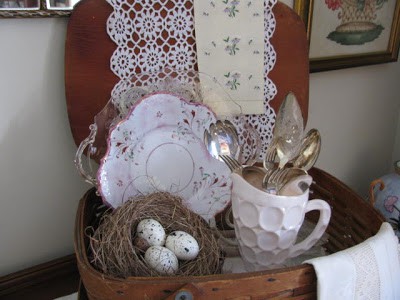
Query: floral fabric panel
point(230, 48)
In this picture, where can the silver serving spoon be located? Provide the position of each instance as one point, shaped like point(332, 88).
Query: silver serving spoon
point(309, 150)
point(288, 130)
point(222, 139)
point(308, 154)
point(287, 134)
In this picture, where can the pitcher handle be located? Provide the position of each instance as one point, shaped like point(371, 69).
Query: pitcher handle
point(372, 187)
point(319, 230)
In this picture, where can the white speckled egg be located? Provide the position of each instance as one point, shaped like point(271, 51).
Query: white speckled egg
point(183, 245)
point(162, 260)
point(152, 231)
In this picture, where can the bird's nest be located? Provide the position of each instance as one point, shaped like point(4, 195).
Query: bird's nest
point(112, 250)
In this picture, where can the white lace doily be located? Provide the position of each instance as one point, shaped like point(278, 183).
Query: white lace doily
point(155, 34)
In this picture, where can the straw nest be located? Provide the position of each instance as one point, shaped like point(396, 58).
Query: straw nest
point(113, 251)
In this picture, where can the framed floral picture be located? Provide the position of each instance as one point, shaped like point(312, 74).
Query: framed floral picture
point(348, 33)
point(36, 8)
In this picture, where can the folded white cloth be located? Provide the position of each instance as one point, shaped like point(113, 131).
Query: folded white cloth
point(370, 270)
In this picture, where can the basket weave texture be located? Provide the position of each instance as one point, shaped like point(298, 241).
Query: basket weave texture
point(353, 221)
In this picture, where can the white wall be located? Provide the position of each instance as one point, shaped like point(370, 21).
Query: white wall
point(396, 149)
point(39, 186)
point(356, 110)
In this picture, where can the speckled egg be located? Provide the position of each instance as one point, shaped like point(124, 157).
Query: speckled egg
point(162, 260)
point(152, 231)
point(183, 245)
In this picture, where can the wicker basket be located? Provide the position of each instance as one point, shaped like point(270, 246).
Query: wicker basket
point(353, 220)
point(89, 82)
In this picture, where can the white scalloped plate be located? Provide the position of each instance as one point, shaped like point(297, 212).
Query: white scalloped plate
point(159, 147)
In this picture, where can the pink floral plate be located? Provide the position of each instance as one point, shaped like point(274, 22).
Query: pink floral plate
point(159, 147)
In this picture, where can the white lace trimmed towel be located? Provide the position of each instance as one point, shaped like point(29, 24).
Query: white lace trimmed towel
point(370, 270)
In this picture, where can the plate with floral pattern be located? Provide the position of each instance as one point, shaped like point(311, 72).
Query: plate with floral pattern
point(159, 147)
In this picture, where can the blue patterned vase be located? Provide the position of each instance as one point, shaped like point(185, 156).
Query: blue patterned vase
point(385, 196)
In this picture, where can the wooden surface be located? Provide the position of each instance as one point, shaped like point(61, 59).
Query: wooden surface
point(88, 49)
point(49, 280)
point(291, 71)
point(88, 78)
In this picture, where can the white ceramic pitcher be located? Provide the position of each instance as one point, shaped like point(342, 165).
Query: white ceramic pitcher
point(267, 225)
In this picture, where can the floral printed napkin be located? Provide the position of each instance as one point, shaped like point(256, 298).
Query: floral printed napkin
point(230, 48)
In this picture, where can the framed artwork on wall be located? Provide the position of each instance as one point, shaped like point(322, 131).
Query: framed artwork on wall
point(349, 33)
point(36, 8)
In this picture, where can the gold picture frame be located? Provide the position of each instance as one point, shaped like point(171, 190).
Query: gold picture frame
point(350, 33)
point(35, 8)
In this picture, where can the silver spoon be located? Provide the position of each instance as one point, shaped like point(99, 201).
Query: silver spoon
point(308, 154)
point(221, 139)
point(286, 138)
point(288, 129)
point(309, 150)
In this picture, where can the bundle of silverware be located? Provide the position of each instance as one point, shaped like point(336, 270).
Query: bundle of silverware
point(291, 152)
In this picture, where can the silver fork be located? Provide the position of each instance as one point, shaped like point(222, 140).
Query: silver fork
point(269, 160)
point(232, 163)
point(276, 179)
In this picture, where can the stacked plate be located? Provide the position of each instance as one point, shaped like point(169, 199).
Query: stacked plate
point(159, 147)
point(151, 139)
